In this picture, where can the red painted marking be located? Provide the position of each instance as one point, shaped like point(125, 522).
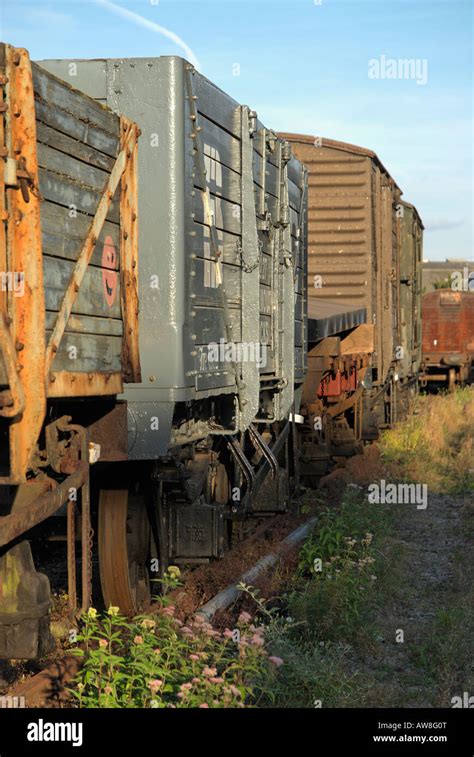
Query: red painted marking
point(109, 274)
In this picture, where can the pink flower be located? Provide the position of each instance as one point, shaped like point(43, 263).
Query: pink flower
point(108, 690)
point(186, 631)
point(209, 672)
point(155, 685)
point(235, 690)
point(228, 634)
point(257, 640)
point(276, 661)
point(168, 611)
point(194, 657)
point(103, 643)
point(138, 640)
point(196, 680)
point(203, 706)
point(217, 679)
point(244, 617)
point(157, 651)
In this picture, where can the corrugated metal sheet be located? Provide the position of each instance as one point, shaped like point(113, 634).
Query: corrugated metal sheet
point(352, 235)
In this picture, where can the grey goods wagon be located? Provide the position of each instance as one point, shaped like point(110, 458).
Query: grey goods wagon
point(192, 377)
point(364, 250)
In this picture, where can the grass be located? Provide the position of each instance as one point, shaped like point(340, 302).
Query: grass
point(436, 444)
point(355, 574)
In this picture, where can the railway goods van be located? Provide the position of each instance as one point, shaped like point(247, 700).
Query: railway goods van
point(448, 338)
point(365, 250)
point(152, 369)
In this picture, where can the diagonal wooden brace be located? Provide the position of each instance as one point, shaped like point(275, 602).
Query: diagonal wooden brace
point(85, 255)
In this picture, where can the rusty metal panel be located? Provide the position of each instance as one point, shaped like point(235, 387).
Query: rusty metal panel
point(448, 323)
point(68, 234)
point(22, 255)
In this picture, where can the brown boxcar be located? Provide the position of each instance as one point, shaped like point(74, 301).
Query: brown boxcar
point(352, 236)
point(448, 336)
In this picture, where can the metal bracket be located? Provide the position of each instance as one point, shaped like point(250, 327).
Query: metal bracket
point(242, 462)
point(261, 444)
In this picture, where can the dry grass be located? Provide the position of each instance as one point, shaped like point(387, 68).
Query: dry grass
point(436, 444)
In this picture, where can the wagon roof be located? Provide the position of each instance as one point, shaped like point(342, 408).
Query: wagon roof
point(336, 145)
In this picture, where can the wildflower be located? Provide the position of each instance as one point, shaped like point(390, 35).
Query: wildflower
point(169, 610)
point(173, 571)
point(155, 685)
point(186, 631)
point(257, 640)
point(113, 610)
point(186, 687)
point(103, 643)
point(209, 672)
point(203, 706)
point(80, 686)
point(234, 690)
point(138, 640)
point(147, 623)
point(157, 651)
point(92, 612)
point(276, 660)
point(228, 634)
point(108, 690)
point(216, 679)
point(244, 617)
point(194, 657)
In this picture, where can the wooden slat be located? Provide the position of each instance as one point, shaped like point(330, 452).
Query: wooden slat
point(87, 133)
point(90, 353)
point(54, 138)
point(57, 93)
point(63, 236)
point(67, 165)
point(88, 324)
point(90, 298)
point(66, 192)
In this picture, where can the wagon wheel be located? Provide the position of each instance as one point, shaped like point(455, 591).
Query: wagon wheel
point(124, 546)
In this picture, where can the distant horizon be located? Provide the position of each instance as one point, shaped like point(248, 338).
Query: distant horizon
point(393, 76)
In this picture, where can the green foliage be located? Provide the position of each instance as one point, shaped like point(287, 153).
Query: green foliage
point(156, 661)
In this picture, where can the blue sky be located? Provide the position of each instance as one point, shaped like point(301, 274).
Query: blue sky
point(304, 67)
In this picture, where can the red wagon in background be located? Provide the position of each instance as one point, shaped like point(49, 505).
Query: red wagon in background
point(448, 337)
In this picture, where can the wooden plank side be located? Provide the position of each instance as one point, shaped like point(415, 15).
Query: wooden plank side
point(73, 147)
point(91, 298)
point(57, 93)
point(65, 165)
point(88, 353)
point(66, 192)
point(87, 324)
point(59, 119)
point(63, 235)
